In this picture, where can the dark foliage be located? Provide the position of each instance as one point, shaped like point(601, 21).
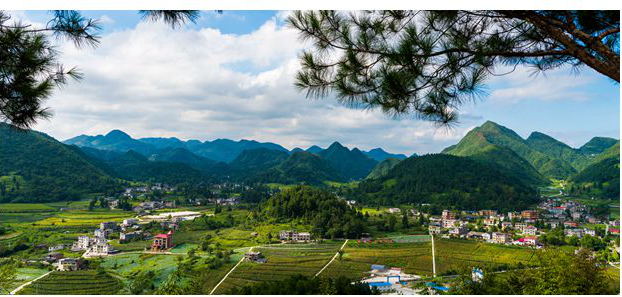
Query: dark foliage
point(330, 216)
point(304, 285)
point(448, 181)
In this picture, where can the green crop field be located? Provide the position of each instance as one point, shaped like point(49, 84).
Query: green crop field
point(86, 282)
point(452, 255)
point(25, 207)
point(128, 265)
point(25, 274)
point(282, 261)
point(413, 258)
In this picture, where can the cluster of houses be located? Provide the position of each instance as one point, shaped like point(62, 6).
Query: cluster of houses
point(390, 280)
point(293, 235)
point(517, 228)
point(143, 207)
point(133, 192)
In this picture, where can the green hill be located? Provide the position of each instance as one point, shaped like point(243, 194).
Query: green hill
point(601, 178)
point(250, 162)
point(184, 156)
point(597, 145)
point(557, 150)
point(383, 168)
point(37, 168)
point(300, 167)
point(134, 166)
point(490, 133)
point(448, 181)
point(351, 164)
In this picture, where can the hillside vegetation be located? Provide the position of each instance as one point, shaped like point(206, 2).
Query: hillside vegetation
point(448, 181)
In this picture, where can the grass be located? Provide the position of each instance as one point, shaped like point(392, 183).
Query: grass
point(85, 282)
point(25, 207)
point(282, 261)
point(613, 273)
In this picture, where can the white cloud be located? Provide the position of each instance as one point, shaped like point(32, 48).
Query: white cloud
point(153, 81)
point(523, 84)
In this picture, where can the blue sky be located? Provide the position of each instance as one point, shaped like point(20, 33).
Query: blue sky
point(229, 76)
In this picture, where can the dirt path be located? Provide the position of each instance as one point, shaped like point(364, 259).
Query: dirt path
point(332, 259)
point(232, 269)
point(28, 283)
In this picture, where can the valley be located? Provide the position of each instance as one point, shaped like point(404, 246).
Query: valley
point(111, 214)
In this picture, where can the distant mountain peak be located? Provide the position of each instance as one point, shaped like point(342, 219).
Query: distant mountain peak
point(118, 134)
point(335, 145)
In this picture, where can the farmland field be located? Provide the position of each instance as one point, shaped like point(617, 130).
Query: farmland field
point(414, 258)
point(128, 265)
point(282, 261)
point(25, 274)
point(452, 255)
point(85, 282)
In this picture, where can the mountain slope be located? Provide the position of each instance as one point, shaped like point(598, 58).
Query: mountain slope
point(134, 166)
point(602, 177)
point(183, 156)
point(250, 162)
point(383, 168)
point(37, 168)
point(490, 133)
point(300, 167)
point(597, 145)
point(380, 155)
point(448, 181)
point(115, 140)
point(557, 150)
point(351, 164)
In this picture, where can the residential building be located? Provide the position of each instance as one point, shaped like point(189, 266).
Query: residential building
point(475, 235)
point(69, 264)
point(520, 226)
point(530, 240)
point(448, 215)
point(501, 238)
point(162, 241)
point(293, 235)
point(574, 232)
point(530, 230)
point(490, 222)
point(434, 229)
point(576, 215)
point(458, 231)
point(56, 248)
point(53, 257)
point(529, 214)
point(129, 236)
point(570, 224)
point(82, 244)
point(254, 257)
point(589, 232)
point(394, 210)
point(449, 223)
point(505, 225)
point(108, 225)
point(487, 236)
point(129, 222)
point(100, 249)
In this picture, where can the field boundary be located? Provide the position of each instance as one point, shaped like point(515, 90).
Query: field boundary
point(332, 259)
point(232, 269)
point(28, 283)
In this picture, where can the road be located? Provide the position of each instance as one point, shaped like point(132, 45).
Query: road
point(333, 259)
point(28, 283)
point(232, 269)
point(433, 257)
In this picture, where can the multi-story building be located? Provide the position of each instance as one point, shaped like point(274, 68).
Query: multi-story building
point(69, 264)
point(108, 225)
point(529, 214)
point(458, 231)
point(448, 223)
point(434, 229)
point(162, 241)
point(500, 238)
point(448, 215)
point(530, 230)
point(293, 235)
point(100, 249)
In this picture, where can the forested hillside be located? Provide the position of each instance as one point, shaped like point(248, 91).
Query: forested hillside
point(350, 164)
point(448, 181)
point(300, 167)
point(36, 168)
point(330, 216)
point(601, 178)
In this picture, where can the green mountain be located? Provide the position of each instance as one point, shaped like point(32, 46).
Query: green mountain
point(251, 162)
point(351, 164)
point(448, 181)
point(597, 145)
point(134, 166)
point(184, 156)
point(300, 167)
point(380, 155)
point(37, 168)
point(383, 168)
point(314, 149)
point(557, 150)
point(602, 177)
point(115, 140)
point(479, 139)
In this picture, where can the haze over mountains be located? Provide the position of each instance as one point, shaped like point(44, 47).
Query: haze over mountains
point(104, 163)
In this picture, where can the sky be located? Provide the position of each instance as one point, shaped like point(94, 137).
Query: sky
point(230, 75)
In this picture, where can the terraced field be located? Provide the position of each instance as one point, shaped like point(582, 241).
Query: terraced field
point(282, 261)
point(452, 255)
point(86, 282)
point(414, 258)
point(128, 265)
